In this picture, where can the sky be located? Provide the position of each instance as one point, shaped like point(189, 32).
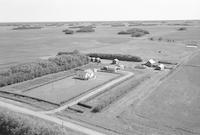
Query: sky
point(97, 10)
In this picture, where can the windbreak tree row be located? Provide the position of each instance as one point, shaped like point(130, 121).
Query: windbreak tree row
point(31, 70)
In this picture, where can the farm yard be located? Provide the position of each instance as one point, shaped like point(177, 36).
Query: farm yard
point(63, 90)
point(126, 96)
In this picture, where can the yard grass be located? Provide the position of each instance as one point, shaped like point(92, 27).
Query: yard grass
point(65, 89)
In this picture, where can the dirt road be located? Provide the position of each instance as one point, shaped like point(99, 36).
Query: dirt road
point(50, 118)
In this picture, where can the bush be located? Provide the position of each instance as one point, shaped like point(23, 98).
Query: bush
point(122, 57)
point(26, 27)
point(31, 70)
point(182, 29)
point(135, 32)
point(97, 108)
point(86, 29)
point(123, 33)
point(19, 124)
point(66, 53)
point(67, 31)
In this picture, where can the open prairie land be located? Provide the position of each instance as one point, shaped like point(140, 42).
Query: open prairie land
point(25, 45)
point(139, 101)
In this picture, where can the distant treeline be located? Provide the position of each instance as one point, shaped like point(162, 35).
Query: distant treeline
point(123, 57)
point(134, 32)
point(31, 70)
point(12, 123)
point(82, 29)
point(27, 27)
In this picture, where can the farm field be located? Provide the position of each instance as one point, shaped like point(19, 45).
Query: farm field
point(68, 88)
point(174, 105)
point(147, 102)
point(50, 40)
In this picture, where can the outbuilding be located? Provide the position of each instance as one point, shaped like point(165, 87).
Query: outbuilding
point(92, 59)
point(111, 68)
point(98, 60)
point(150, 63)
point(160, 67)
point(85, 74)
point(115, 61)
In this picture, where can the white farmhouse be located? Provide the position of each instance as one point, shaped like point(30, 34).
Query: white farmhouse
point(85, 74)
point(150, 63)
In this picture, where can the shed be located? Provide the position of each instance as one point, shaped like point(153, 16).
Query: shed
point(93, 59)
point(160, 67)
point(111, 68)
point(115, 61)
point(150, 63)
point(98, 60)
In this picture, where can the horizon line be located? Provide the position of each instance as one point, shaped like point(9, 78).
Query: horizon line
point(156, 20)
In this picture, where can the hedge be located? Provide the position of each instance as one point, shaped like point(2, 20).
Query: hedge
point(12, 123)
point(122, 57)
point(31, 70)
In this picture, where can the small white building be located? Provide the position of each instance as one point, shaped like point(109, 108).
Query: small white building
point(111, 68)
point(98, 60)
point(150, 63)
point(160, 67)
point(85, 74)
point(115, 61)
point(92, 59)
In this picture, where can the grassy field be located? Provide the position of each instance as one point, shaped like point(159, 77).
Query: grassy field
point(175, 103)
point(68, 88)
point(158, 105)
point(31, 44)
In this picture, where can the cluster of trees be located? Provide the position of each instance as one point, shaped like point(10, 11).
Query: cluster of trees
point(82, 29)
point(18, 124)
point(134, 32)
point(67, 31)
point(26, 27)
point(31, 70)
point(182, 29)
point(86, 29)
point(122, 57)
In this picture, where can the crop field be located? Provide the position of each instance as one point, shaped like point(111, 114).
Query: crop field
point(68, 88)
